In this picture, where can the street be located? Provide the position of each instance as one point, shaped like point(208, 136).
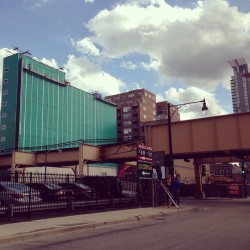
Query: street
point(217, 224)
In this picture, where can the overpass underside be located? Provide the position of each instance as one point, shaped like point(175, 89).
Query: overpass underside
point(207, 140)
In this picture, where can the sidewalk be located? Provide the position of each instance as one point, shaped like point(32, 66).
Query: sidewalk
point(29, 229)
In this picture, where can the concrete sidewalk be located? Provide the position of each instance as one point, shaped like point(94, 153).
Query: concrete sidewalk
point(29, 229)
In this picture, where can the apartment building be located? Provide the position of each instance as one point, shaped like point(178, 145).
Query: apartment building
point(240, 85)
point(162, 112)
point(133, 108)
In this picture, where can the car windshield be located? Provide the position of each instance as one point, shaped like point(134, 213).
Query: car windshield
point(81, 185)
point(15, 185)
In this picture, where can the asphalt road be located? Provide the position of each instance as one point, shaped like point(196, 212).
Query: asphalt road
point(218, 224)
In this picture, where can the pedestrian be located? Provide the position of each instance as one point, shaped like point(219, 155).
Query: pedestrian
point(176, 191)
point(157, 168)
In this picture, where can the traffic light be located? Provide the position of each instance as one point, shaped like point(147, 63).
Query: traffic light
point(243, 171)
point(203, 170)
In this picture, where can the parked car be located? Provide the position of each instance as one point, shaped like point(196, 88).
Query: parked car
point(18, 193)
point(129, 193)
point(80, 191)
point(51, 191)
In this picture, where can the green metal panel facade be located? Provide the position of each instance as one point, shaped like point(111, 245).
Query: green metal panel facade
point(50, 113)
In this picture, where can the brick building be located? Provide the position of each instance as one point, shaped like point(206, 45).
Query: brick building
point(133, 108)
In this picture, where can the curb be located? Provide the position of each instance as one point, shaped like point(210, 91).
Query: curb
point(66, 229)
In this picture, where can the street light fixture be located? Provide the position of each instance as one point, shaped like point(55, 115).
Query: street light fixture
point(177, 106)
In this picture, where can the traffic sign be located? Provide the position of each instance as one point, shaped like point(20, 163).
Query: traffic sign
point(144, 161)
point(144, 153)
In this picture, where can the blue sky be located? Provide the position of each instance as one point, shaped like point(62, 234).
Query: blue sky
point(177, 49)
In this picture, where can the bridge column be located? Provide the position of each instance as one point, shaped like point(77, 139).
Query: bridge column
point(199, 194)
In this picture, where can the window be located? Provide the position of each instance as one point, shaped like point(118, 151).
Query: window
point(6, 69)
point(126, 109)
point(126, 123)
point(5, 92)
point(4, 103)
point(215, 172)
point(126, 116)
point(229, 173)
point(221, 172)
point(4, 115)
point(3, 127)
point(126, 131)
point(5, 81)
point(3, 139)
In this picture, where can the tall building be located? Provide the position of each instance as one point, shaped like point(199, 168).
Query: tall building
point(40, 110)
point(133, 108)
point(162, 112)
point(240, 85)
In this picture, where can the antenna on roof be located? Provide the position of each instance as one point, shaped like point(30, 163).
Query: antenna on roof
point(27, 52)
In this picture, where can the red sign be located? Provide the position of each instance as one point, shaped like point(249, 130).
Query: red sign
point(233, 189)
point(144, 153)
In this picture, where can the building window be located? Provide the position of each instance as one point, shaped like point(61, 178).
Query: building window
point(3, 127)
point(215, 172)
point(5, 104)
point(4, 115)
point(126, 116)
point(222, 172)
point(127, 131)
point(6, 81)
point(229, 173)
point(6, 69)
point(5, 92)
point(126, 109)
point(126, 123)
point(145, 117)
point(3, 138)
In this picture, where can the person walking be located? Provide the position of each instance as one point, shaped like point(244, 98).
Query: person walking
point(176, 191)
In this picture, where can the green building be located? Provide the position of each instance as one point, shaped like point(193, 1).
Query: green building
point(41, 111)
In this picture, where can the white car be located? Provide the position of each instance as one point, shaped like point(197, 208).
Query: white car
point(18, 193)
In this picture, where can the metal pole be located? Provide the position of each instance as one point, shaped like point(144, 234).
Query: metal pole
point(170, 145)
point(45, 162)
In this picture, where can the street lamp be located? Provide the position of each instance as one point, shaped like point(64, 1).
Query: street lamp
point(177, 106)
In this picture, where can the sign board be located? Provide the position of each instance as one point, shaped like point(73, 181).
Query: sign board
point(144, 161)
point(233, 189)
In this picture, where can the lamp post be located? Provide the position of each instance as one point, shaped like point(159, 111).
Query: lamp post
point(170, 144)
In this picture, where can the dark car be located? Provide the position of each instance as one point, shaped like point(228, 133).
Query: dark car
point(51, 191)
point(17, 193)
point(80, 191)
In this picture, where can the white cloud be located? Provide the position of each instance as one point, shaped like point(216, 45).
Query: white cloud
point(129, 65)
point(190, 45)
point(192, 94)
point(85, 75)
point(37, 3)
point(50, 62)
point(86, 46)
point(88, 1)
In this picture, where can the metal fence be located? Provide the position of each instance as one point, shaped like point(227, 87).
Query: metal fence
point(24, 195)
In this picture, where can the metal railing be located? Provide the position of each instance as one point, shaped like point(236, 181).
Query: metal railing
point(20, 200)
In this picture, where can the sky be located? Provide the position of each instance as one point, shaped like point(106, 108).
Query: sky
point(177, 49)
